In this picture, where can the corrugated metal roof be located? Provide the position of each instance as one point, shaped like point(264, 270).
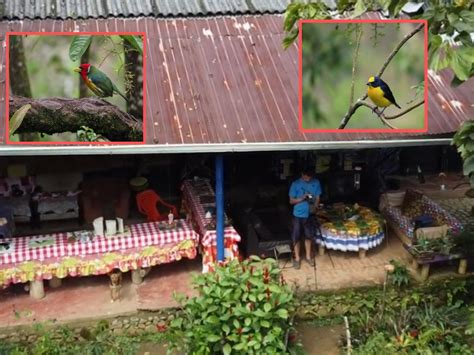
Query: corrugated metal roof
point(227, 80)
point(84, 9)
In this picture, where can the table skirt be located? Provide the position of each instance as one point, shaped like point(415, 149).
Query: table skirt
point(344, 243)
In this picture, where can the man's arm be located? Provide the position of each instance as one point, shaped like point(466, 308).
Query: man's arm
point(316, 201)
point(294, 201)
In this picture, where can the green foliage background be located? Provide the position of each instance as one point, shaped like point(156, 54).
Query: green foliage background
point(51, 74)
point(51, 71)
point(327, 73)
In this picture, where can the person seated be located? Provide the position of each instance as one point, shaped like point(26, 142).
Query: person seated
point(147, 202)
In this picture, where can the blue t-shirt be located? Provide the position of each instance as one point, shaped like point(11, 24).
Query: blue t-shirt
point(298, 189)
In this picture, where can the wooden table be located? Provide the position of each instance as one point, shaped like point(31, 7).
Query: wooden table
point(55, 256)
point(423, 264)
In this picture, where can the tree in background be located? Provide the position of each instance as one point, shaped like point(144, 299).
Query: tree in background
point(450, 44)
point(17, 69)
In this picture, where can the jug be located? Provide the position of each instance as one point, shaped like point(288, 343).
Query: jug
point(120, 225)
point(111, 226)
point(99, 226)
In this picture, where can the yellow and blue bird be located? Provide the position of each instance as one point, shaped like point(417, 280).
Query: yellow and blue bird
point(380, 93)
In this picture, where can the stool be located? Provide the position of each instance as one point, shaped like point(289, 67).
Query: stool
point(283, 249)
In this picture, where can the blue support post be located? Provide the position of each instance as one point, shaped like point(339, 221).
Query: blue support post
point(220, 206)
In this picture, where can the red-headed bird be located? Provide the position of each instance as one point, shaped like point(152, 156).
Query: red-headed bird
point(96, 80)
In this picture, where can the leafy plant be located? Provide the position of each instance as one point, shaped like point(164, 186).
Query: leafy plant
point(399, 276)
point(470, 327)
point(449, 23)
point(87, 134)
point(79, 45)
point(408, 327)
point(242, 308)
point(429, 247)
point(464, 141)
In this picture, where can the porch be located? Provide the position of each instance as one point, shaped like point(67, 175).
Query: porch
point(87, 298)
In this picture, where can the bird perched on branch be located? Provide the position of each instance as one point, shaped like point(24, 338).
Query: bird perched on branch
point(96, 80)
point(380, 93)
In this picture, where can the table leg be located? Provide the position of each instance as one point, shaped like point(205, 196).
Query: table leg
point(55, 282)
point(321, 249)
point(425, 271)
point(37, 289)
point(139, 274)
point(362, 253)
point(462, 266)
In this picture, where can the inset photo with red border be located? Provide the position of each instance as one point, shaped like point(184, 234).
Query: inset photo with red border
point(77, 88)
point(363, 76)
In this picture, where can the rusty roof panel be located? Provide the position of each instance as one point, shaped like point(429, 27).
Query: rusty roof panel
point(228, 80)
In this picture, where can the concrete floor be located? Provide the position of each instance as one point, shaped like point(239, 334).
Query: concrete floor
point(337, 269)
point(88, 297)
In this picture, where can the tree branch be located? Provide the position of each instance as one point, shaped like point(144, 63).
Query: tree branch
point(406, 111)
point(354, 62)
point(353, 108)
point(58, 115)
point(400, 45)
point(382, 117)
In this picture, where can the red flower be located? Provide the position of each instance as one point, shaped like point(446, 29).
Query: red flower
point(161, 327)
point(413, 333)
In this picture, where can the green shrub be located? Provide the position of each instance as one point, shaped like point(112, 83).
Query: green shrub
point(242, 308)
point(399, 276)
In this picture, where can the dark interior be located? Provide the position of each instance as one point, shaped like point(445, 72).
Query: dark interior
point(256, 184)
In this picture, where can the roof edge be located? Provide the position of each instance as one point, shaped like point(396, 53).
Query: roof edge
point(216, 147)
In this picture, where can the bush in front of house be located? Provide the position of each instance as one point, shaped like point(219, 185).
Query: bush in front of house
point(415, 322)
point(242, 308)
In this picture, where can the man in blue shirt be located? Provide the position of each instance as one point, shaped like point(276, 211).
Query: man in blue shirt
point(303, 192)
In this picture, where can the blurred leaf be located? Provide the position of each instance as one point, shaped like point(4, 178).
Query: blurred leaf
point(78, 47)
point(460, 65)
point(467, 16)
point(468, 166)
point(290, 38)
point(396, 6)
point(17, 118)
point(359, 8)
point(291, 16)
point(135, 41)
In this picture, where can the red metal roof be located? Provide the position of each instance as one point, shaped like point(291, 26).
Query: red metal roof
point(228, 80)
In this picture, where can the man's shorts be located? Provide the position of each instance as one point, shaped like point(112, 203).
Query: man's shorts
point(304, 228)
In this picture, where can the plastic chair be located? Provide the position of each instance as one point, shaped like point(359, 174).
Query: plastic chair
point(147, 202)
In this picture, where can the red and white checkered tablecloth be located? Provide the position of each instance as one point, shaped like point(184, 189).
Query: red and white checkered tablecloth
point(142, 235)
point(208, 237)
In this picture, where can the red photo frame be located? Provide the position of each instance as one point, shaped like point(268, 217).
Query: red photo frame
point(7, 87)
point(357, 130)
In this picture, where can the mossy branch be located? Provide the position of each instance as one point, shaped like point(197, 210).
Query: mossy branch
point(59, 115)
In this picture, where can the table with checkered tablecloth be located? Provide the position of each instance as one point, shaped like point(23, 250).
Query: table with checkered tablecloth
point(148, 244)
point(193, 193)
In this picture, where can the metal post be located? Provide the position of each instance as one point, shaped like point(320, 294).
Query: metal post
point(220, 206)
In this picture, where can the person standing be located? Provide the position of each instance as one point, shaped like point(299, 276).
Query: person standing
point(303, 193)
